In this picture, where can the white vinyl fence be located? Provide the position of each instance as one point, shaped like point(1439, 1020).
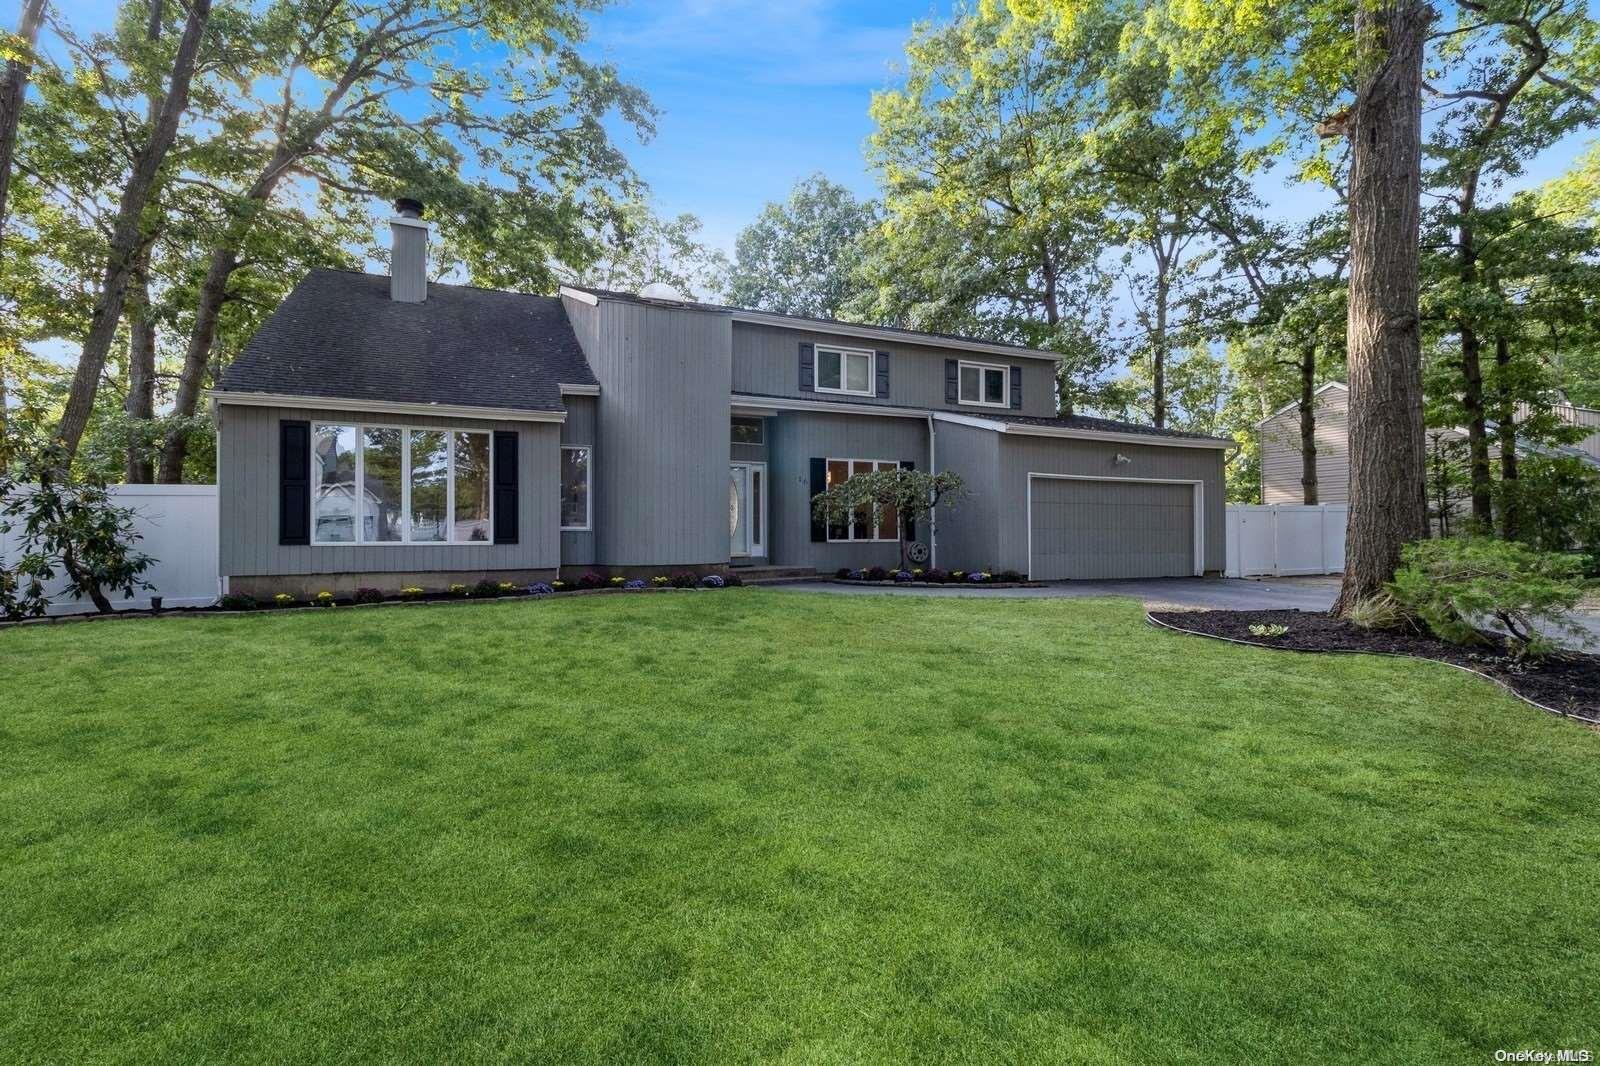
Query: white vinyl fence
point(179, 527)
point(1284, 539)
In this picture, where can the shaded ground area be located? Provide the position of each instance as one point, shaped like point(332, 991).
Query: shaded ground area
point(762, 825)
point(1568, 682)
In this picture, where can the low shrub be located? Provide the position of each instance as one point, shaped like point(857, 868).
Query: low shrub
point(713, 581)
point(661, 581)
point(902, 576)
point(936, 576)
point(1010, 576)
point(507, 587)
point(540, 588)
point(284, 599)
point(1377, 612)
point(685, 579)
point(979, 577)
point(858, 575)
point(734, 581)
point(1458, 583)
point(558, 585)
point(486, 589)
point(459, 590)
point(412, 592)
point(238, 602)
point(877, 573)
point(367, 594)
point(958, 575)
point(843, 573)
point(591, 580)
point(323, 599)
point(634, 585)
point(1270, 632)
point(618, 581)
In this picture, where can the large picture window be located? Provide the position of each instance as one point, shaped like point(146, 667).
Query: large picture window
point(395, 485)
point(574, 488)
point(845, 370)
point(984, 385)
point(866, 522)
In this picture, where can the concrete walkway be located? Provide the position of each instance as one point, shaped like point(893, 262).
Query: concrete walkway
point(1234, 594)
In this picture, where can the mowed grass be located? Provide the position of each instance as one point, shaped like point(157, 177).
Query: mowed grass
point(768, 825)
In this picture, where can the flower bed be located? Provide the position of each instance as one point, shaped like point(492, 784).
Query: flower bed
point(877, 575)
point(1566, 683)
point(588, 585)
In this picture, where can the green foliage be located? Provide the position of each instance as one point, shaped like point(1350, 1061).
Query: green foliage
point(1377, 612)
point(1456, 584)
point(911, 494)
point(1269, 632)
point(801, 257)
point(66, 526)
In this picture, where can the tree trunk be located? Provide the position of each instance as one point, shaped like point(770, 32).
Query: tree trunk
point(191, 379)
point(1388, 491)
point(140, 404)
point(126, 234)
point(1158, 371)
point(1510, 511)
point(12, 91)
point(1477, 429)
point(1308, 425)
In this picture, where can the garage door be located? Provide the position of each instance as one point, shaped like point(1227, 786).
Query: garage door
point(1109, 529)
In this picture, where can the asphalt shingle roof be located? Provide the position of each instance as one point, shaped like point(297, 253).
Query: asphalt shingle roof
point(1088, 422)
point(339, 335)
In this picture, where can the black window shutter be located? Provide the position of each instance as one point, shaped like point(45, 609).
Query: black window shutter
point(505, 486)
point(1016, 388)
point(294, 482)
point(911, 527)
point(808, 363)
point(952, 381)
point(819, 485)
point(882, 363)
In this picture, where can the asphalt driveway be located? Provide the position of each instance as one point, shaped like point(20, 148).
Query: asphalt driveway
point(1232, 594)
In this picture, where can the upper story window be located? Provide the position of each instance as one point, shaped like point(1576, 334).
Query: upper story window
point(984, 384)
point(846, 370)
point(395, 485)
point(747, 431)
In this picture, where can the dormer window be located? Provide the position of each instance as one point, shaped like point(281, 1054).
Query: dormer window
point(845, 370)
point(983, 384)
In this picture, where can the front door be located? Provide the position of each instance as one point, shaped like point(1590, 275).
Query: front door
point(747, 509)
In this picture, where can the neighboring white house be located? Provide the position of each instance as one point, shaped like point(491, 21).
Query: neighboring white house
point(1280, 445)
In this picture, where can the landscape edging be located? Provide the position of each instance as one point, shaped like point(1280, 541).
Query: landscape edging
point(1150, 617)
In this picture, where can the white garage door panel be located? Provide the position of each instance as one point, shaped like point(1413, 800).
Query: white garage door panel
point(1088, 529)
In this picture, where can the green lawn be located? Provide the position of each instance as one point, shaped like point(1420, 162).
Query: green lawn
point(757, 824)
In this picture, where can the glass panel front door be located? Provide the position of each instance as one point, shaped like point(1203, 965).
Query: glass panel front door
point(747, 509)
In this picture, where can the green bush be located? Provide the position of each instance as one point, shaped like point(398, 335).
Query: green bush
point(1459, 583)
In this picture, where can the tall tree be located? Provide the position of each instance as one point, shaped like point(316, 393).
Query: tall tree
point(341, 109)
point(995, 218)
point(19, 63)
point(126, 233)
point(800, 257)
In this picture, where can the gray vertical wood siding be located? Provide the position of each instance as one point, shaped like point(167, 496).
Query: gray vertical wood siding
point(969, 530)
point(661, 470)
point(766, 362)
point(1020, 455)
point(577, 549)
point(1103, 530)
point(247, 502)
point(795, 438)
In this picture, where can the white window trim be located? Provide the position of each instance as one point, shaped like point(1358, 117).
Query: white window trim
point(850, 523)
point(1005, 383)
point(588, 490)
point(844, 354)
point(405, 486)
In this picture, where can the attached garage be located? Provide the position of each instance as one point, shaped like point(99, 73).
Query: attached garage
point(1083, 527)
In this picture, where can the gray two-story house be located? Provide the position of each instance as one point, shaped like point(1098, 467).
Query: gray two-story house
point(392, 432)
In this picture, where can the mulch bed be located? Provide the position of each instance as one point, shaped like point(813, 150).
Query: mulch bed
point(1567, 683)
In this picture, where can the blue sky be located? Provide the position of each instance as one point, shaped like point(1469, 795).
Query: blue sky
point(755, 96)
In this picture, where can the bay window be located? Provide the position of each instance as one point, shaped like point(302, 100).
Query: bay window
point(397, 485)
point(866, 522)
